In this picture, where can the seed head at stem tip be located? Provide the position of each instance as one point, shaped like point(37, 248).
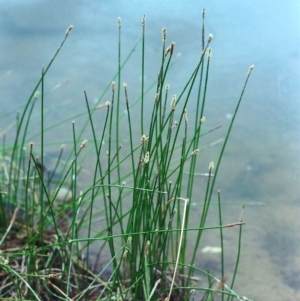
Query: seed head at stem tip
point(250, 70)
point(69, 30)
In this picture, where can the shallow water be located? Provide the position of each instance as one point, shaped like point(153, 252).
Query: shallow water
point(261, 164)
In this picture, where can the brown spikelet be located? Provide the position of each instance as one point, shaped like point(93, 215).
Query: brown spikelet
point(164, 34)
point(144, 21)
point(69, 30)
point(83, 144)
point(170, 49)
point(250, 70)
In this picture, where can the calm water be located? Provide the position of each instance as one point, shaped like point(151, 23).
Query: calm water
point(261, 164)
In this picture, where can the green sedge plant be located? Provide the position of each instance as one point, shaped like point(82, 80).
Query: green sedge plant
point(135, 210)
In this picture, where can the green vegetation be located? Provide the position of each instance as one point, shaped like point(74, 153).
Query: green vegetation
point(129, 235)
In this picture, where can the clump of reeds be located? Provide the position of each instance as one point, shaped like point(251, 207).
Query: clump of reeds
point(136, 210)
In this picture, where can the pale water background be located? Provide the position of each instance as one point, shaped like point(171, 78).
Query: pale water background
point(261, 163)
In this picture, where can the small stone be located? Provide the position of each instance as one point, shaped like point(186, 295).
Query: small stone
point(212, 250)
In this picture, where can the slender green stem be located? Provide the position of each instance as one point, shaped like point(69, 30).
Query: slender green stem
point(237, 261)
point(118, 98)
point(41, 190)
point(73, 185)
point(221, 240)
point(98, 166)
point(143, 74)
